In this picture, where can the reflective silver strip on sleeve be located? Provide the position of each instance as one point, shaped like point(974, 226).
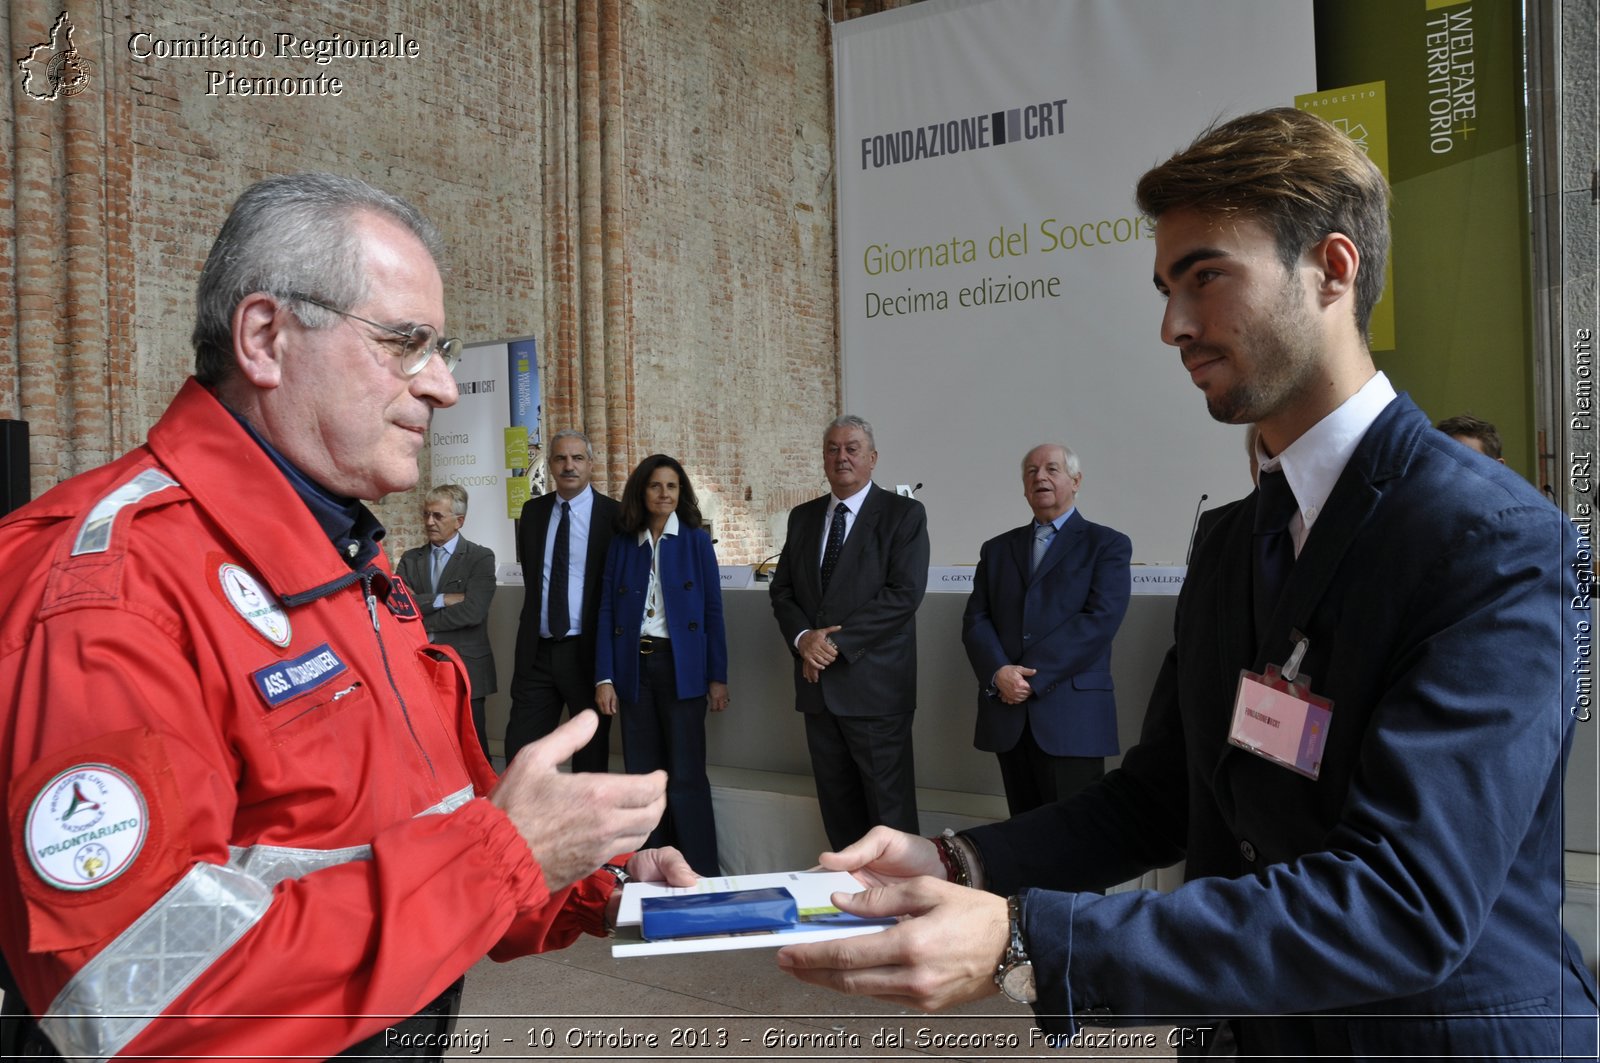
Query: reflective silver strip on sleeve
point(95, 535)
point(449, 804)
point(138, 976)
point(113, 997)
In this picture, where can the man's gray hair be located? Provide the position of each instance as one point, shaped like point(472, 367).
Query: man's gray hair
point(294, 233)
point(1068, 458)
point(455, 493)
point(570, 433)
point(850, 420)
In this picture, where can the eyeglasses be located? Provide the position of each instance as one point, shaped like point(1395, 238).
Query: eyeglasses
point(417, 343)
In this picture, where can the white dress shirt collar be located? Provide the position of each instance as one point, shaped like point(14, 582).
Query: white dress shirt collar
point(1060, 521)
point(1314, 462)
point(582, 501)
point(854, 502)
point(670, 529)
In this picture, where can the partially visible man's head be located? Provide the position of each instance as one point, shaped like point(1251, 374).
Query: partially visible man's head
point(1293, 173)
point(571, 462)
point(849, 455)
point(1474, 432)
point(1050, 480)
point(444, 511)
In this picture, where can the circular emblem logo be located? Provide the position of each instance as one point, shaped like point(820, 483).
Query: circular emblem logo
point(86, 827)
point(253, 602)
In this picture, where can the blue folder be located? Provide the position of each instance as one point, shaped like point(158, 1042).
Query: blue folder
point(702, 914)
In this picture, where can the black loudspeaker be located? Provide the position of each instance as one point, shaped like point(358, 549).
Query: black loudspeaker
point(13, 465)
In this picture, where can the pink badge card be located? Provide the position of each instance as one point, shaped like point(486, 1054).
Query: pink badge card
point(1281, 720)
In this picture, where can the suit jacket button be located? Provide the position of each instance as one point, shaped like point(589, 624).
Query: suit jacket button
point(1247, 850)
point(622, 588)
point(693, 626)
point(688, 584)
point(617, 631)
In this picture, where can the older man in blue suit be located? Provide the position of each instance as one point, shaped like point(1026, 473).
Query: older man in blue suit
point(1047, 600)
point(1392, 887)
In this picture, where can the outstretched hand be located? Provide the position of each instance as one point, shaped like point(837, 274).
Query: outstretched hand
point(574, 822)
point(884, 856)
point(943, 952)
point(653, 865)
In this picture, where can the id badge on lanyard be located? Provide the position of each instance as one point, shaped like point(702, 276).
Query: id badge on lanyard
point(1278, 718)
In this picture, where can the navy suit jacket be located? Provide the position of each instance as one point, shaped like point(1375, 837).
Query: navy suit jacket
point(878, 582)
point(531, 532)
point(465, 625)
point(1421, 875)
point(1059, 621)
point(692, 588)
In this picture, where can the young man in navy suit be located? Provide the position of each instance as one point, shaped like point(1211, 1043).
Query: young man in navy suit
point(1396, 893)
point(1047, 599)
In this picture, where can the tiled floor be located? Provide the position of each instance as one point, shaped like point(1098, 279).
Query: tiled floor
point(581, 1003)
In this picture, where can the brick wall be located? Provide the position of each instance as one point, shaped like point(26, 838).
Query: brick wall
point(729, 212)
point(725, 234)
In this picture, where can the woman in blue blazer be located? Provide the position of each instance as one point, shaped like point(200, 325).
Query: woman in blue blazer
point(662, 656)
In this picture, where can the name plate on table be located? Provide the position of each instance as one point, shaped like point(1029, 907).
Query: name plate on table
point(736, 577)
point(950, 578)
point(1158, 579)
point(508, 573)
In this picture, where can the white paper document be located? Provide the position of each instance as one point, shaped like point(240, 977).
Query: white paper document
point(812, 890)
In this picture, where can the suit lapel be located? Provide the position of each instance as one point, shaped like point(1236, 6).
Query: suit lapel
point(808, 553)
point(866, 524)
point(533, 564)
point(594, 554)
point(1233, 601)
point(1062, 544)
point(1382, 455)
point(1022, 552)
point(450, 565)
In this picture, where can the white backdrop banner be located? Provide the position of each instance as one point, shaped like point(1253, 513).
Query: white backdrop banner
point(489, 441)
point(994, 273)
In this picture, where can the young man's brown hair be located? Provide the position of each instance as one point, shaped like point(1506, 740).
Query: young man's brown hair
point(1292, 172)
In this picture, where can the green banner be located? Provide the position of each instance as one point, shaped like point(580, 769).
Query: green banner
point(1449, 80)
point(1361, 112)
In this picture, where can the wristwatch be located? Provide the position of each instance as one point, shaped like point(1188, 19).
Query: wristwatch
point(1014, 976)
point(617, 872)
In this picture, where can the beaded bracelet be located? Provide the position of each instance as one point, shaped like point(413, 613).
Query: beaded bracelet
point(953, 859)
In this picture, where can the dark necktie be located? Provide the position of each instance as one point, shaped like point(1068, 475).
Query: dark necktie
point(830, 556)
point(1274, 546)
point(560, 561)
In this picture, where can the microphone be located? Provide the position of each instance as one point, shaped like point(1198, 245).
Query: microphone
point(762, 575)
point(1193, 531)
